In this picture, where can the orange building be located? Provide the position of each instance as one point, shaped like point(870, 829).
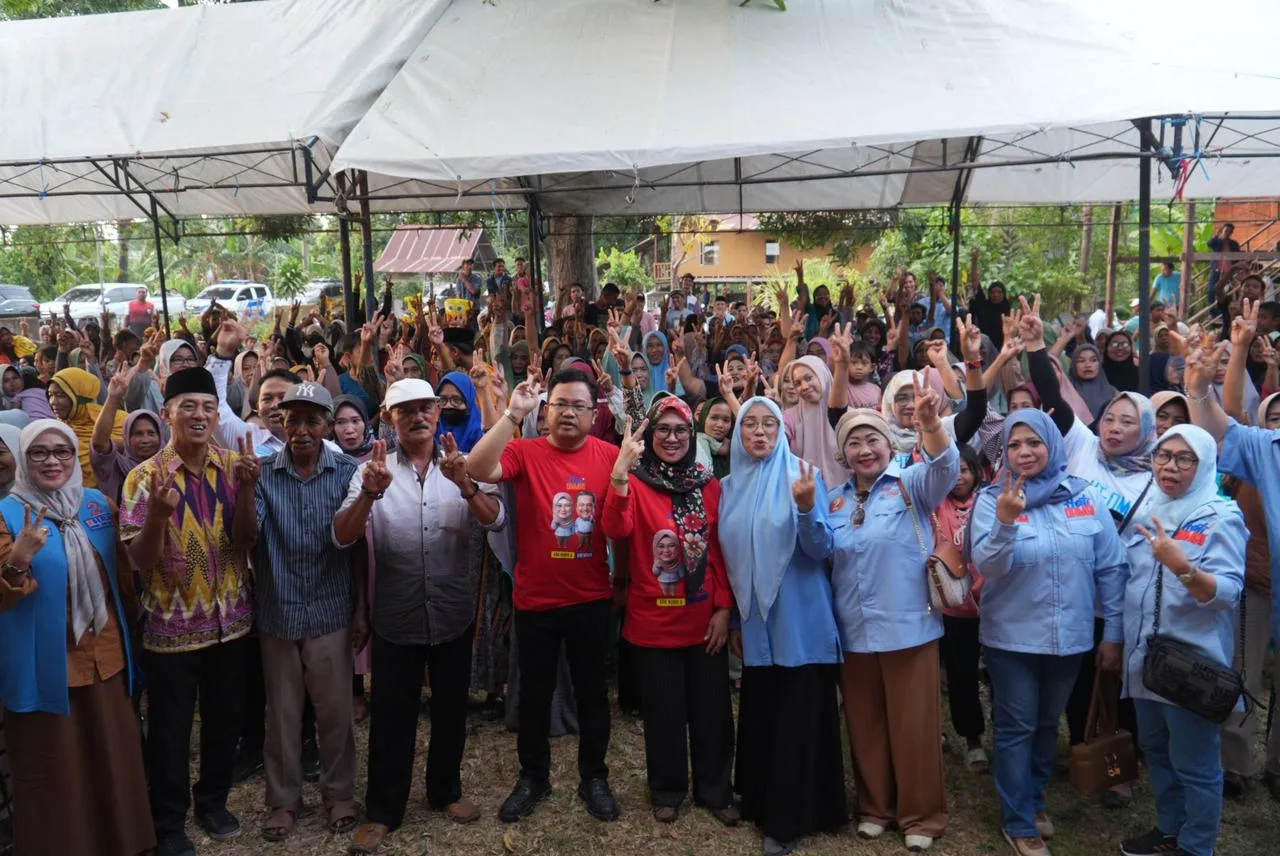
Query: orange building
point(732, 252)
point(1257, 222)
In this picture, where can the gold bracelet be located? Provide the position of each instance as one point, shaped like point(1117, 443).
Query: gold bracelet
point(934, 430)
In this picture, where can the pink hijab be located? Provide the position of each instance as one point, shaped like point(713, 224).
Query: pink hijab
point(809, 431)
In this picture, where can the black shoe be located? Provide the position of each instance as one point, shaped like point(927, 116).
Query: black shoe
point(1232, 786)
point(310, 761)
point(598, 799)
point(1154, 843)
point(1272, 781)
point(248, 765)
point(176, 845)
point(221, 824)
point(524, 797)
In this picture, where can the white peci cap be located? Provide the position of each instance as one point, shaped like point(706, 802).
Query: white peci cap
point(409, 389)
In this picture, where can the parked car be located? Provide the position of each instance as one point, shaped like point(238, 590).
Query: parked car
point(330, 288)
point(246, 299)
point(90, 300)
point(16, 302)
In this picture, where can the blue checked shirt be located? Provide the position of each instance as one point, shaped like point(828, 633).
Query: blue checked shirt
point(304, 580)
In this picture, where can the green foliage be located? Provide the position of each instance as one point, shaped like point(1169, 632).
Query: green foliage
point(817, 273)
point(287, 277)
point(844, 231)
point(623, 268)
point(19, 9)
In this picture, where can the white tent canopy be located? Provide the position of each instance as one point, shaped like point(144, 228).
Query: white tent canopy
point(213, 109)
point(635, 107)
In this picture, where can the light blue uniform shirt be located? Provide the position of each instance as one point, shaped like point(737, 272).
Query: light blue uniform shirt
point(1214, 543)
point(1045, 572)
point(1253, 454)
point(801, 627)
point(878, 582)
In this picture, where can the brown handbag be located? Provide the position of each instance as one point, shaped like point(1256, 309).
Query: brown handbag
point(1106, 757)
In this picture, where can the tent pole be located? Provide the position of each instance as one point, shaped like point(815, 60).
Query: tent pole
point(955, 277)
point(366, 240)
point(164, 291)
point(535, 267)
point(1144, 256)
point(349, 301)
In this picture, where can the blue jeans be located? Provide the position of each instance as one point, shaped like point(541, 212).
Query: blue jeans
point(1183, 760)
point(1030, 693)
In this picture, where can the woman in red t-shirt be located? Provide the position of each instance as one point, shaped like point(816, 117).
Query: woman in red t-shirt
point(677, 609)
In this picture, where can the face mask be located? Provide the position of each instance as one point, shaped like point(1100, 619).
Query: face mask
point(454, 417)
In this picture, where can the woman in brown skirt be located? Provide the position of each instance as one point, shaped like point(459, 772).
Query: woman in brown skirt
point(66, 666)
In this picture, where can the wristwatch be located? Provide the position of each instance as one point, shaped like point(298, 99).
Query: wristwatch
point(516, 421)
point(1190, 575)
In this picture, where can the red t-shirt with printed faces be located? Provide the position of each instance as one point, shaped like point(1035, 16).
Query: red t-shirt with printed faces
point(561, 556)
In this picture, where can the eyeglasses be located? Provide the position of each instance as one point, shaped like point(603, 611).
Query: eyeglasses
point(40, 454)
point(453, 401)
point(184, 361)
point(904, 398)
point(680, 432)
point(767, 425)
point(577, 409)
point(1182, 460)
point(859, 510)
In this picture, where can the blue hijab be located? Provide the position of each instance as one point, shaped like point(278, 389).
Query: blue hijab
point(658, 373)
point(757, 514)
point(468, 433)
point(1051, 485)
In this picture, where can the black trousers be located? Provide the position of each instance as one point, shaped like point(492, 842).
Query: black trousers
point(1082, 693)
point(687, 713)
point(253, 733)
point(584, 630)
point(960, 654)
point(216, 675)
point(393, 724)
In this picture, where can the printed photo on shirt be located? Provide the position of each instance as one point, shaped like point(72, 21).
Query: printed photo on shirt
point(584, 525)
point(562, 521)
point(668, 564)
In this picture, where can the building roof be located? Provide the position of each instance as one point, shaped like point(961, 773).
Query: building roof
point(428, 249)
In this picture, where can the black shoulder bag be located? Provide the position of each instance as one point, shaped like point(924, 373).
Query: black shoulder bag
point(1183, 674)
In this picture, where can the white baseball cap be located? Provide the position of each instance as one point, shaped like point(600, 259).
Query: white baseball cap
point(409, 389)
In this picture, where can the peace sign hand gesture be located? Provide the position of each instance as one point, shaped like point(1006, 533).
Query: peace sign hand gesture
point(805, 489)
point(1031, 325)
point(31, 539)
point(454, 464)
point(1245, 325)
point(163, 496)
point(928, 404)
point(630, 450)
point(376, 477)
point(525, 397)
point(1165, 549)
point(247, 466)
point(970, 341)
point(1013, 499)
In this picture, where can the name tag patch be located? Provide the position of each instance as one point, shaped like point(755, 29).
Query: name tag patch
point(101, 521)
point(1193, 533)
point(1080, 506)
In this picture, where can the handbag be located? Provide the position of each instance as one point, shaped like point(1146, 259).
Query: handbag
point(1106, 757)
point(1183, 674)
point(949, 583)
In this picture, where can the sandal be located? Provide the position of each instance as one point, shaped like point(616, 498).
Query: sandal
point(280, 823)
point(342, 816)
point(977, 760)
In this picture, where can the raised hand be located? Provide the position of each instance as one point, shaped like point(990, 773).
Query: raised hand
point(928, 405)
point(163, 496)
point(970, 341)
point(1031, 325)
point(725, 382)
point(936, 349)
point(630, 450)
point(320, 353)
point(480, 376)
point(31, 539)
point(621, 353)
point(604, 380)
point(247, 466)
point(1012, 501)
point(796, 332)
point(891, 337)
point(119, 383)
point(804, 490)
point(1166, 550)
point(376, 477)
point(454, 464)
point(524, 398)
point(228, 338)
point(1245, 325)
point(1202, 366)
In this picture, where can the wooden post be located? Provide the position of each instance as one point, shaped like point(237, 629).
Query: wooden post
point(1086, 250)
point(1188, 247)
point(1113, 247)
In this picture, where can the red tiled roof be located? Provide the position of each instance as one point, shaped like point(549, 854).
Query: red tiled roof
point(428, 249)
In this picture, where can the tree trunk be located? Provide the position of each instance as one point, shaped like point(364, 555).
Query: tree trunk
point(1086, 250)
point(571, 243)
point(122, 251)
point(1113, 250)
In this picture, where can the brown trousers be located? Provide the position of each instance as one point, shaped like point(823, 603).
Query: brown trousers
point(320, 668)
point(893, 709)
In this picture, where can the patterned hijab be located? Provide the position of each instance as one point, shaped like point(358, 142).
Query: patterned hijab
point(684, 481)
point(1137, 459)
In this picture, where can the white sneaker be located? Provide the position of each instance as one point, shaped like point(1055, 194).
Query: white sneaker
point(918, 843)
point(869, 830)
point(1044, 826)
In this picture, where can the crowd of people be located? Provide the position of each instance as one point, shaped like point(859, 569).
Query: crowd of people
point(818, 505)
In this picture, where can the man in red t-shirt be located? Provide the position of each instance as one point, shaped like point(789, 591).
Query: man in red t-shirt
point(142, 314)
point(563, 594)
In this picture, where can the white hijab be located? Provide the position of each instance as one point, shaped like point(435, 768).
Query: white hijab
point(84, 580)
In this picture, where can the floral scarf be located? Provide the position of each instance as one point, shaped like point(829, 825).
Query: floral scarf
point(684, 481)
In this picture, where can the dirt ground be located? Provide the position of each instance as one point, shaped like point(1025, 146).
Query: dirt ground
point(561, 825)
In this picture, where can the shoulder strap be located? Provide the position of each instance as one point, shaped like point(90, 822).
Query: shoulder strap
point(1133, 509)
point(915, 521)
